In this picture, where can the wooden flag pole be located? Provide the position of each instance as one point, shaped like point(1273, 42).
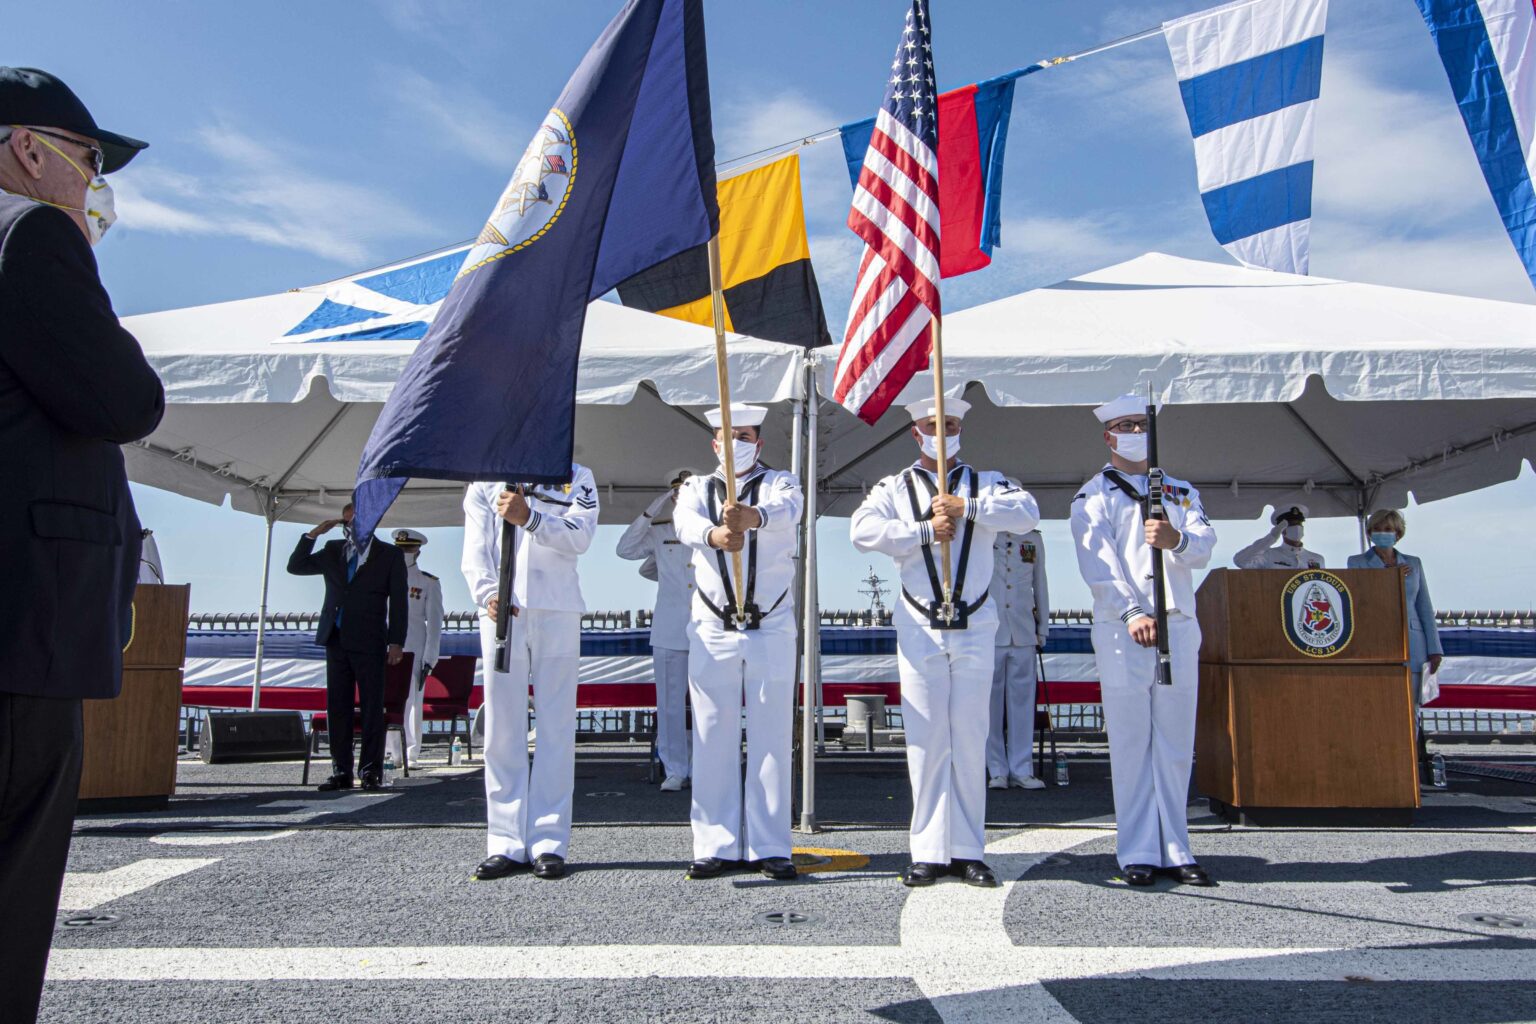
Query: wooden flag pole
point(941, 433)
point(727, 445)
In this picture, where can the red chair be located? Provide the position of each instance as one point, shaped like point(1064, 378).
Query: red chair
point(447, 693)
point(397, 684)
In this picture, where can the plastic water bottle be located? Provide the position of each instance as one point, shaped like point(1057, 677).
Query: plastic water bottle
point(389, 768)
point(456, 752)
point(1437, 771)
point(1061, 771)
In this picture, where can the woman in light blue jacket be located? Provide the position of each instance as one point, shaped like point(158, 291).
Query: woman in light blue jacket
point(1386, 528)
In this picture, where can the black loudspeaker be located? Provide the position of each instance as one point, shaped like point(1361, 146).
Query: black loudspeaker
point(232, 736)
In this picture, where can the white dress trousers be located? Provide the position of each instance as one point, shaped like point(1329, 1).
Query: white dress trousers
point(726, 670)
point(528, 810)
point(1014, 676)
point(1151, 739)
point(946, 678)
point(671, 671)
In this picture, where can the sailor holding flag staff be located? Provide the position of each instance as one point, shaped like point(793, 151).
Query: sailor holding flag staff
point(945, 658)
point(1151, 726)
point(741, 650)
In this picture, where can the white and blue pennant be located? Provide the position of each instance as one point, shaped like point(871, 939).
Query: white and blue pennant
point(1250, 73)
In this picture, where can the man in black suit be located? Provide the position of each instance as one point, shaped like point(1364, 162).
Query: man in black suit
point(362, 625)
point(74, 385)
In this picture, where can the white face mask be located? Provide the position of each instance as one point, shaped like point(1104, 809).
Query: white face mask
point(100, 209)
point(1131, 447)
point(1292, 533)
point(743, 453)
point(409, 556)
point(930, 445)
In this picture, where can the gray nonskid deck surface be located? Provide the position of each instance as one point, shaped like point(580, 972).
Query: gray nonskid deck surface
point(254, 899)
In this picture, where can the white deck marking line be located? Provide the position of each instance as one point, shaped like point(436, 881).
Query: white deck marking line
point(477, 962)
point(85, 890)
point(985, 977)
point(1026, 967)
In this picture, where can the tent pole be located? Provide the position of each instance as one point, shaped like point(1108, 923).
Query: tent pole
point(261, 618)
point(811, 647)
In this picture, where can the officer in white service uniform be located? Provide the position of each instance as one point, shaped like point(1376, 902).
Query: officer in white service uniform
point(653, 538)
point(423, 637)
point(150, 569)
point(1024, 621)
point(1288, 528)
point(741, 653)
point(1151, 726)
point(528, 812)
point(945, 660)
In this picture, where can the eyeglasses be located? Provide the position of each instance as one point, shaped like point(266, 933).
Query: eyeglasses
point(1128, 426)
point(98, 158)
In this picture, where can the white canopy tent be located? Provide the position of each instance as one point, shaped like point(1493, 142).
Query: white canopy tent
point(275, 419)
point(1280, 388)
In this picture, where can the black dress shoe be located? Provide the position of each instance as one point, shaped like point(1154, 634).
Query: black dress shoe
point(548, 866)
point(1140, 874)
point(334, 783)
point(973, 872)
point(496, 867)
point(1192, 874)
point(780, 869)
point(372, 783)
point(923, 873)
point(711, 867)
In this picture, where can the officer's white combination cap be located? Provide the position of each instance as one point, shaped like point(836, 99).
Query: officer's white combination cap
point(1274, 517)
point(742, 415)
point(928, 408)
point(1125, 405)
point(410, 537)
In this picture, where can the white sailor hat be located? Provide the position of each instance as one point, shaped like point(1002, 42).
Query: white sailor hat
point(1289, 510)
point(927, 408)
point(1125, 405)
point(410, 537)
point(742, 415)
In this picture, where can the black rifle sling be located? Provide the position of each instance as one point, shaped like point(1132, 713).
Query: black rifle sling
point(1114, 477)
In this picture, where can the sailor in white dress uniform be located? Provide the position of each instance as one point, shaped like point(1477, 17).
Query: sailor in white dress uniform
point(652, 540)
point(741, 653)
point(423, 638)
point(945, 660)
point(1024, 622)
point(1151, 726)
point(528, 811)
point(1287, 527)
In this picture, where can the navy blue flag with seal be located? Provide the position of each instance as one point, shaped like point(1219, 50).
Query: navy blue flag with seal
point(618, 177)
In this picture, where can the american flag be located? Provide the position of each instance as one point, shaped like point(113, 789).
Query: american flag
point(896, 213)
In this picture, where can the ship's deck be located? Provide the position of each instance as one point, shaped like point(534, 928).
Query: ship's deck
point(254, 899)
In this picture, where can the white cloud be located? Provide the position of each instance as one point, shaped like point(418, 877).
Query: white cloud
point(264, 195)
point(467, 122)
point(1391, 155)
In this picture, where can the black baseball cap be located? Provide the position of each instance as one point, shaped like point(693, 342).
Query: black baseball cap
point(32, 97)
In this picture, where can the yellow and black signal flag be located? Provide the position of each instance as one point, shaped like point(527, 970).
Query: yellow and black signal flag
point(765, 264)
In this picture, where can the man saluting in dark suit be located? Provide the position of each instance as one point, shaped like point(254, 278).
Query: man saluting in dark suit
point(362, 626)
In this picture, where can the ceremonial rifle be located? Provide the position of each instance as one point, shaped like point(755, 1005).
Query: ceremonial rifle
point(1152, 508)
point(504, 586)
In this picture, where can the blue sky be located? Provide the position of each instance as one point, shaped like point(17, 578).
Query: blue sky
point(296, 142)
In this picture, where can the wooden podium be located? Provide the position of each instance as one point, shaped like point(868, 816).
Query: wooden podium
point(1306, 711)
point(130, 742)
